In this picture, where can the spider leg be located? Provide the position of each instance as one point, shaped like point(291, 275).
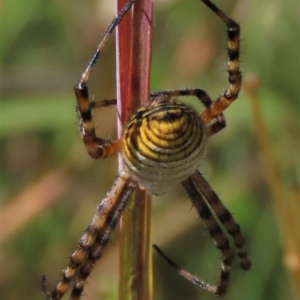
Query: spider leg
point(235, 77)
point(187, 275)
point(96, 147)
point(218, 237)
point(225, 218)
point(102, 103)
point(215, 124)
point(107, 214)
point(215, 232)
point(96, 251)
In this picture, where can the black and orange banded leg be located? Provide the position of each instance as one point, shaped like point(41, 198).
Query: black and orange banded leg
point(102, 240)
point(95, 237)
point(209, 205)
point(225, 218)
point(96, 147)
point(218, 236)
point(213, 125)
point(235, 76)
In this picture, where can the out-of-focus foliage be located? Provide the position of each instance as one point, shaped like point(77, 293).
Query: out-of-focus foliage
point(44, 46)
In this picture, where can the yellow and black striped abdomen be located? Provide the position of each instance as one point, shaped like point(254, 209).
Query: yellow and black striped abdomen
point(163, 144)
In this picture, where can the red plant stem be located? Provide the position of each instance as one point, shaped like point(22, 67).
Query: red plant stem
point(124, 70)
point(133, 69)
point(142, 42)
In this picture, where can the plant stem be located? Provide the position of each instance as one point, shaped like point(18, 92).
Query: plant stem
point(133, 69)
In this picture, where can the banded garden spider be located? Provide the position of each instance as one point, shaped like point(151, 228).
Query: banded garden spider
point(162, 145)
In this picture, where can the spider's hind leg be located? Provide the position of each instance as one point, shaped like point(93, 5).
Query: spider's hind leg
point(123, 189)
point(94, 240)
point(216, 232)
point(218, 236)
point(225, 217)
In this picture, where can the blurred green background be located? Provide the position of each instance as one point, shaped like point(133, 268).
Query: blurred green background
point(49, 187)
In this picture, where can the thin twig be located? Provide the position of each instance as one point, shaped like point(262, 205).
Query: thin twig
point(286, 207)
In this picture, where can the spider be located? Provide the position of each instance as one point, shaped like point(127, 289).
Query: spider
point(162, 145)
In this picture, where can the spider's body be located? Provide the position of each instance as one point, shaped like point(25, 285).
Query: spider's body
point(162, 145)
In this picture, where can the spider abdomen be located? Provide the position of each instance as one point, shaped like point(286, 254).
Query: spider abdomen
point(163, 144)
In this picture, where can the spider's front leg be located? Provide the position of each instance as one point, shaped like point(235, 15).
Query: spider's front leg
point(234, 74)
point(96, 147)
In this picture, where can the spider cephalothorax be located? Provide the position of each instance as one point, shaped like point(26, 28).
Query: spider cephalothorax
point(162, 145)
